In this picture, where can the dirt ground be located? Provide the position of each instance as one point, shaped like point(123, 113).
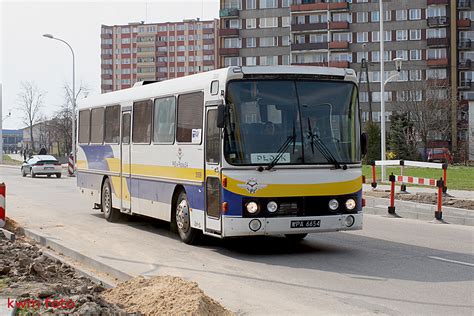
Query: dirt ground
point(428, 198)
point(40, 284)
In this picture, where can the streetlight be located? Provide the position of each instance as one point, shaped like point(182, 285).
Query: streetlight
point(398, 66)
point(50, 36)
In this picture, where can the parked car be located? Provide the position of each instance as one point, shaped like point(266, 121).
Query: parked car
point(440, 154)
point(41, 165)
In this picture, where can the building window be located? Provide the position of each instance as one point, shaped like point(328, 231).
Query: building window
point(285, 3)
point(362, 55)
point(318, 38)
point(375, 16)
point(362, 37)
point(375, 36)
point(285, 21)
point(436, 11)
point(415, 35)
point(142, 114)
point(438, 53)
point(436, 33)
point(415, 14)
point(97, 126)
point(268, 22)
point(268, 60)
point(251, 4)
point(402, 35)
point(251, 42)
point(251, 61)
point(190, 108)
point(436, 73)
point(403, 54)
point(362, 17)
point(285, 59)
point(401, 15)
point(125, 40)
point(415, 54)
point(342, 37)
point(251, 23)
point(232, 42)
point(416, 75)
point(268, 41)
point(268, 4)
point(364, 97)
point(164, 118)
point(232, 61)
point(387, 16)
point(285, 40)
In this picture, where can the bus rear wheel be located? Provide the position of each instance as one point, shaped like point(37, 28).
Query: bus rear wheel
point(187, 234)
point(295, 237)
point(111, 214)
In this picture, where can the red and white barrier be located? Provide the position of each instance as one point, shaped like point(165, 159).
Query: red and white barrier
point(415, 180)
point(70, 165)
point(3, 190)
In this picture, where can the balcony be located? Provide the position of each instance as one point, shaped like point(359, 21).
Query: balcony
point(465, 84)
point(309, 46)
point(320, 6)
point(105, 76)
point(105, 46)
point(208, 41)
point(464, 64)
point(464, 44)
point(318, 64)
point(339, 64)
point(227, 13)
point(106, 56)
point(438, 21)
point(309, 27)
point(438, 82)
point(207, 31)
point(439, 62)
point(229, 51)
point(161, 64)
point(437, 41)
point(106, 35)
point(161, 44)
point(229, 32)
point(339, 45)
point(464, 23)
point(430, 2)
point(106, 86)
point(344, 25)
point(208, 62)
point(161, 53)
point(464, 4)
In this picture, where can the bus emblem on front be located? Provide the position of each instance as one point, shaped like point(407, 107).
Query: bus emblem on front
point(252, 185)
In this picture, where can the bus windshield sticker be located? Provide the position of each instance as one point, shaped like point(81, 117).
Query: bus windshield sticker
point(266, 158)
point(196, 136)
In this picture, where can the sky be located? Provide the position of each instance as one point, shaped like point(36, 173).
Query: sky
point(25, 55)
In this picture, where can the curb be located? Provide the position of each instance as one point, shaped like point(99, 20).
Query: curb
point(79, 258)
point(419, 211)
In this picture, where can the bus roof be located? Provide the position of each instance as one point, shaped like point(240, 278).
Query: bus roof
point(198, 81)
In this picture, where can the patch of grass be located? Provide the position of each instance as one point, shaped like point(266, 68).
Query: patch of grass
point(459, 177)
point(3, 283)
point(7, 160)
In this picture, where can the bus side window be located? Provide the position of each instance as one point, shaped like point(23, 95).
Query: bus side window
point(212, 138)
point(126, 128)
point(141, 132)
point(97, 126)
point(112, 123)
point(84, 126)
point(190, 108)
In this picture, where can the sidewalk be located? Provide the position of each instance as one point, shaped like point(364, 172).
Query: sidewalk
point(457, 194)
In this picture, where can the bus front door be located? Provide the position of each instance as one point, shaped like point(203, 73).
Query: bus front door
point(212, 218)
point(125, 165)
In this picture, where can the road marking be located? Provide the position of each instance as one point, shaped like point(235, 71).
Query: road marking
point(453, 261)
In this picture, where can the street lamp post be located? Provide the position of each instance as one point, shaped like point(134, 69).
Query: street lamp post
point(50, 36)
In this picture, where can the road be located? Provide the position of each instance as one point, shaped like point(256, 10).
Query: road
point(393, 266)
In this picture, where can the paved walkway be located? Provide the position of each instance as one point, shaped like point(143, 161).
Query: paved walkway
point(460, 194)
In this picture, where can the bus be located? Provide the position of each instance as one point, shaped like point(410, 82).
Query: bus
point(238, 151)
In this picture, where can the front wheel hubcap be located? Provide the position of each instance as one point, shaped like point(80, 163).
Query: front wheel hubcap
point(182, 216)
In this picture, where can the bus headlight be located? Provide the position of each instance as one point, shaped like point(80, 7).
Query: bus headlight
point(272, 206)
point(350, 204)
point(252, 207)
point(333, 204)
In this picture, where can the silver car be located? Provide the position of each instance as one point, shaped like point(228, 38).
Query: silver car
point(41, 165)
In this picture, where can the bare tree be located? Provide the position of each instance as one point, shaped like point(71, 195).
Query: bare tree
point(427, 104)
point(30, 103)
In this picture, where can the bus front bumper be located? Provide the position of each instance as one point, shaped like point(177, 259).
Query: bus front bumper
point(237, 226)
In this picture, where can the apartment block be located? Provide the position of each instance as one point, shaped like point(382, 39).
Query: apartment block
point(433, 37)
point(156, 51)
point(254, 32)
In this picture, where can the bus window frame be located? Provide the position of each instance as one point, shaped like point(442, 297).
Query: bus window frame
point(133, 115)
point(120, 122)
point(175, 96)
point(103, 125)
point(202, 122)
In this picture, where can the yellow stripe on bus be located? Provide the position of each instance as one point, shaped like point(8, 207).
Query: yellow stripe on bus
point(316, 189)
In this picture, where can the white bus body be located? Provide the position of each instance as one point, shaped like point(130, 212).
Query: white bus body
point(159, 152)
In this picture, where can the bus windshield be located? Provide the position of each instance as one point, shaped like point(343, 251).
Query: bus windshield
point(301, 121)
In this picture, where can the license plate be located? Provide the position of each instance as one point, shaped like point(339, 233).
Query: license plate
point(305, 224)
point(48, 168)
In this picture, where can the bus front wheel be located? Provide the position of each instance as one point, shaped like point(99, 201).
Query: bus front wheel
point(183, 220)
point(111, 214)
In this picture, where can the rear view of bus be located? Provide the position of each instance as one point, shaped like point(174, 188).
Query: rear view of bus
point(291, 153)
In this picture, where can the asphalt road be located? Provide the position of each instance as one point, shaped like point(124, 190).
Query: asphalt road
point(393, 266)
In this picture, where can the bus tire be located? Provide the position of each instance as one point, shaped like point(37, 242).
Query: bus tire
point(295, 237)
point(111, 214)
point(187, 234)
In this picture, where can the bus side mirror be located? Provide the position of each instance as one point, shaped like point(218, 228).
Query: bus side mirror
point(221, 110)
point(364, 143)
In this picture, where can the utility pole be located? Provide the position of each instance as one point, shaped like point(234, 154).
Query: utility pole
point(364, 68)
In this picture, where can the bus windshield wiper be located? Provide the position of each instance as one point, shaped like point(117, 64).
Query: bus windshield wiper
point(315, 141)
point(281, 151)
